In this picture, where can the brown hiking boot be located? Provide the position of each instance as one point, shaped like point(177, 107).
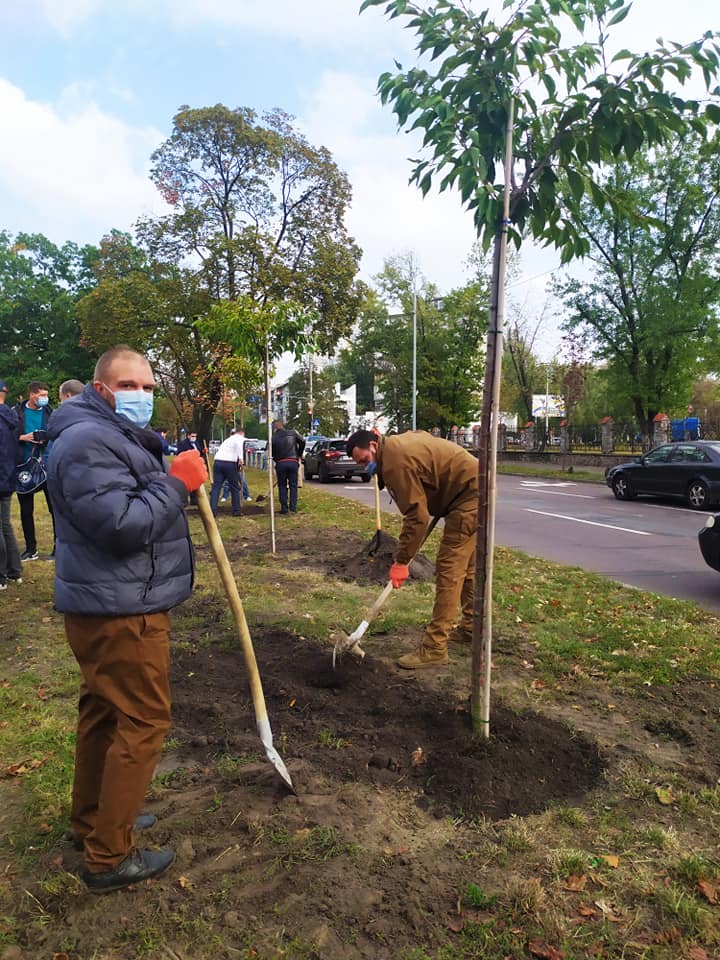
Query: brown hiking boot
point(422, 658)
point(460, 635)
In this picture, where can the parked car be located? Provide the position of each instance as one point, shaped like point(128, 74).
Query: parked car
point(254, 446)
point(689, 470)
point(311, 440)
point(709, 540)
point(328, 458)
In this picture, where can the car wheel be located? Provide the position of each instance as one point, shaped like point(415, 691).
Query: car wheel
point(348, 477)
point(307, 474)
point(697, 495)
point(622, 489)
point(366, 478)
point(323, 474)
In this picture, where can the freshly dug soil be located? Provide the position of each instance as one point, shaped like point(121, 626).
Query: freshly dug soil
point(363, 567)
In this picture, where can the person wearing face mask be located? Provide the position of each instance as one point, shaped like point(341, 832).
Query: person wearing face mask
point(33, 417)
point(124, 559)
point(430, 477)
point(191, 442)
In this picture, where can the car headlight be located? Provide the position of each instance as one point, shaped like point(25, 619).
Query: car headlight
point(710, 522)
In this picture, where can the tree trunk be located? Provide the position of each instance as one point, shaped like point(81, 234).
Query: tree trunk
point(487, 459)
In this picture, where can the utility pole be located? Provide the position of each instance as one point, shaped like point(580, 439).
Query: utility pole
point(547, 401)
point(311, 402)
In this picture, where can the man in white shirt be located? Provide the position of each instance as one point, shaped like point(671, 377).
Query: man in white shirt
point(227, 466)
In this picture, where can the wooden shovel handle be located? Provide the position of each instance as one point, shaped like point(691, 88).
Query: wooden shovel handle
point(228, 581)
point(378, 521)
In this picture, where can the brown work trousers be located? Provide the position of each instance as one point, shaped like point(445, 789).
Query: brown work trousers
point(454, 576)
point(123, 716)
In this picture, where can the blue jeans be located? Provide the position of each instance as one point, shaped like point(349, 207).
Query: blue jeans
point(287, 477)
point(225, 471)
point(10, 564)
point(225, 492)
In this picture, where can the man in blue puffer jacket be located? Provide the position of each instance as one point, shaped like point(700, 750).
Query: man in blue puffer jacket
point(123, 559)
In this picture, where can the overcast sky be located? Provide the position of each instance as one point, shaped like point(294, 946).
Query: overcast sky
point(88, 89)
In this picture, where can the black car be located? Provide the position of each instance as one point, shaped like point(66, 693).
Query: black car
point(328, 458)
point(688, 469)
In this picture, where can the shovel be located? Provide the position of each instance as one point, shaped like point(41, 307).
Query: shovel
point(351, 642)
point(226, 575)
point(375, 542)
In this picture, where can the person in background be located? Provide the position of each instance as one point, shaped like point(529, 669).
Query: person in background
point(33, 417)
point(225, 492)
point(191, 442)
point(430, 477)
point(124, 559)
point(287, 450)
point(227, 466)
point(164, 441)
point(70, 389)
point(10, 564)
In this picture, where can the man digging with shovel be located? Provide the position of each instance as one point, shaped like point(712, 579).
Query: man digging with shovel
point(429, 477)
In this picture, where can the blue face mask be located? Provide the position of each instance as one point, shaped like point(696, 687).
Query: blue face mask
point(371, 468)
point(136, 405)
point(42, 401)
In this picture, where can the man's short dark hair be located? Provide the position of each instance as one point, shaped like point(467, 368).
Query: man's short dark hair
point(107, 358)
point(362, 439)
point(36, 385)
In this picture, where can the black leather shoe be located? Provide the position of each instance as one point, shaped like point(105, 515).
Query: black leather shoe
point(140, 865)
point(143, 822)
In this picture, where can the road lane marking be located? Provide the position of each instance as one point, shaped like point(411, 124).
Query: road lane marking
point(548, 483)
point(560, 493)
point(591, 523)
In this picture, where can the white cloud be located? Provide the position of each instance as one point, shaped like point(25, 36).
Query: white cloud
point(72, 171)
point(336, 23)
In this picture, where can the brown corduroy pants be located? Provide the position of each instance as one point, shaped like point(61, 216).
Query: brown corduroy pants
point(123, 716)
point(454, 576)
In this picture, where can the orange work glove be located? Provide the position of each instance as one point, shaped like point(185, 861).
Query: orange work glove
point(399, 572)
point(189, 467)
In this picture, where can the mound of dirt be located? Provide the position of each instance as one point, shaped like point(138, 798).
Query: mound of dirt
point(363, 567)
point(369, 724)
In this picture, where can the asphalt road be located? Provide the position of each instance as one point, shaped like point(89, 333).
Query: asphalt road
point(642, 543)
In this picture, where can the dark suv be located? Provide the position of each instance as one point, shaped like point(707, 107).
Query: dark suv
point(328, 458)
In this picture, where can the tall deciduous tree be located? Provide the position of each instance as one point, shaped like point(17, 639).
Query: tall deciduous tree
point(513, 93)
point(262, 213)
point(39, 327)
point(153, 307)
point(651, 309)
point(328, 408)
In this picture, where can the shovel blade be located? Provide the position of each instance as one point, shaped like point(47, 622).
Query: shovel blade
point(374, 544)
point(265, 734)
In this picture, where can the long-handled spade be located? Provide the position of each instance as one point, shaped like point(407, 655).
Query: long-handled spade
point(351, 642)
point(226, 575)
point(375, 542)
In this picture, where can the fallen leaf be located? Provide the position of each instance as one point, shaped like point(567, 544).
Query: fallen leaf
point(44, 828)
point(585, 910)
point(611, 860)
point(41, 693)
point(293, 702)
point(544, 951)
point(611, 706)
point(538, 685)
point(417, 757)
point(608, 911)
point(708, 890)
point(672, 935)
point(574, 883)
point(696, 953)
point(47, 619)
point(665, 796)
point(456, 924)
point(185, 882)
point(60, 956)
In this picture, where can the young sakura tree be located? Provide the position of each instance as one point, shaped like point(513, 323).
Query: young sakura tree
point(537, 94)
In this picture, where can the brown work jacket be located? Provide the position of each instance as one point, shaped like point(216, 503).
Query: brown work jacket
point(426, 477)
